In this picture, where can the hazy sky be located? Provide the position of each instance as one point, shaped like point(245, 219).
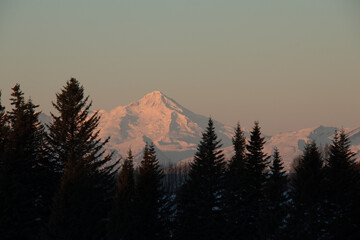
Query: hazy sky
point(288, 64)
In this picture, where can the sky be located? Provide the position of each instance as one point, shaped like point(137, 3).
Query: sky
point(288, 64)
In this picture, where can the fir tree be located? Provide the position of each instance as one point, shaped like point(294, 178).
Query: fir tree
point(200, 199)
point(234, 187)
point(276, 187)
point(256, 165)
point(257, 160)
point(83, 200)
point(342, 187)
point(3, 131)
point(307, 195)
point(20, 170)
point(237, 164)
point(149, 202)
point(122, 225)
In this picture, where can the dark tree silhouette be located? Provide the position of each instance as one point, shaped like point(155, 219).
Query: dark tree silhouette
point(200, 199)
point(4, 128)
point(21, 158)
point(150, 215)
point(256, 165)
point(235, 180)
point(82, 202)
point(307, 195)
point(276, 197)
point(342, 187)
point(122, 225)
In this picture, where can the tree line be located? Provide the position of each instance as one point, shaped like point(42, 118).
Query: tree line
point(58, 182)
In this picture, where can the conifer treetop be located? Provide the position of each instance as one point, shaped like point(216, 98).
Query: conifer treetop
point(277, 168)
point(74, 132)
point(340, 154)
point(257, 160)
point(239, 144)
point(209, 148)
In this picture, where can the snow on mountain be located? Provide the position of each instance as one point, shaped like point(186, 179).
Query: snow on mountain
point(355, 140)
point(176, 132)
point(44, 118)
point(156, 118)
point(291, 144)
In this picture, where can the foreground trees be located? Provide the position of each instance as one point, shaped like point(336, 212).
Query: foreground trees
point(235, 184)
point(200, 199)
point(256, 166)
point(142, 205)
point(3, 130)
point(276, 197)
point(307, 195)
point(86, 185)
point(61, 184)
point(21, 158)
point(122, 215)
point(151, 213)
point(342, 189)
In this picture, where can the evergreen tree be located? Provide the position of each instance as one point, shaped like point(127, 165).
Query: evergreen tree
point(22, 152)
point(234, 187)
point(82, 202)
point(256, 165)
point(307, 195)
point(237, 164)
point(121, 225)
point(342, 187)
point(200, 199)
point(276, 187)
point(3, 131)
point(150, 215)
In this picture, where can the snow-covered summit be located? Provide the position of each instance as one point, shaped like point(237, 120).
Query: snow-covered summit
point(156, 118)
point(292, 144)
point(157, 99)
point(176, 131)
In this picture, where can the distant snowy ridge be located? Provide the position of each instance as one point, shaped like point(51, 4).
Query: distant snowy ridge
point(176, 131)
point(156, 118)
point(291, 144)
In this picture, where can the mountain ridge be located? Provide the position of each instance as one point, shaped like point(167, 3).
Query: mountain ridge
point(176, 131)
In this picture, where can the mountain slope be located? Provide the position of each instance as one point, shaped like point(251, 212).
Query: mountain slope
point(174, 130)
point(291, 144)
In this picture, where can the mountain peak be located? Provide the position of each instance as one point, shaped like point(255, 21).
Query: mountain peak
point(156, 118)
point(155, 94)
point(157, 99)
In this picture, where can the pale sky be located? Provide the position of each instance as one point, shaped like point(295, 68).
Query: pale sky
point(288, 64)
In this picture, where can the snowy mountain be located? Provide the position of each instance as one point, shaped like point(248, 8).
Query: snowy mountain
point(176, 132)
point(156, 118)
point(44, 118)
point(291, 144)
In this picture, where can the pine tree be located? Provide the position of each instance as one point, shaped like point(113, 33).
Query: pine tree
point(3, 131)
point(121, 225)
point(21, 160)
point(307, 195)
point(237, 164)
point(234, 188)
point(200, 199)
point(150, 198)
point(342, 186)
point(257, 160)
point(82, 202)
point(256, 165)
point(276, 187)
